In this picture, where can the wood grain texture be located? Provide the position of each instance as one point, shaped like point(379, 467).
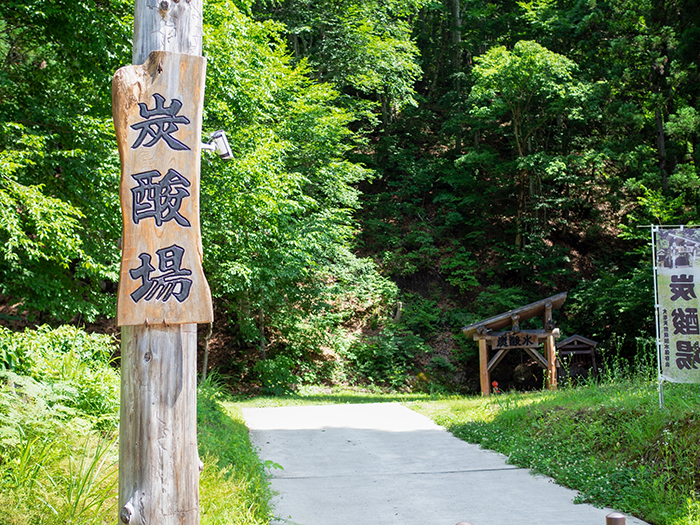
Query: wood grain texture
point(176, 79)
point(524, 313)
point(167, 25)
point(159, 461)
point(484, 375)
point(492, 339)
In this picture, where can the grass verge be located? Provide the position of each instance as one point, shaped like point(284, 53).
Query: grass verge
point(58, 416)
point(233, 487)
point(612, 443)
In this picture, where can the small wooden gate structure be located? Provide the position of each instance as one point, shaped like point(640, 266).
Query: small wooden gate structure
point(579, 350)
point(501, 342)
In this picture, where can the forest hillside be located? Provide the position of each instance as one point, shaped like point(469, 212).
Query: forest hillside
point(402, 168)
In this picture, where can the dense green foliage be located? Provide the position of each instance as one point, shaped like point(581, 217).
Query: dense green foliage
point(277, 220)
point(59, 412)
point(539, 136)
point(59, 220)
point(456, 158)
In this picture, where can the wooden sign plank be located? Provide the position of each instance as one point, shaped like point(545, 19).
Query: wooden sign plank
point(520, 339)
point(157, 110)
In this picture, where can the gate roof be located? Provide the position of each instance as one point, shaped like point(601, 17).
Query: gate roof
point(524, 312)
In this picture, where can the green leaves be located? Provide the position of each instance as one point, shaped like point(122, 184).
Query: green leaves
point(277, 220)
point(361, 47)
point(461, 268)
point(36, 226)
point(53, 227)
point(523, 88)
point(59, 171)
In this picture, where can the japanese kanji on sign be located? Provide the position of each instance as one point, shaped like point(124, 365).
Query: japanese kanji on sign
point(677, 272)
point(158, 117)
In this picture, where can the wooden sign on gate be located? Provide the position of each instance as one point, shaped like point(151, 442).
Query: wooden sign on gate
point(157, 110)
point(520, 339)
point(528, 340)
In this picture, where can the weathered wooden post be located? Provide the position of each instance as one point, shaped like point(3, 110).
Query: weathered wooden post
point(485, 377)
point(163, 294)
point(550, 348)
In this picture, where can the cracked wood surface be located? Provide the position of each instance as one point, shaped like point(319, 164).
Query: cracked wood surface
point(174, 77)
point(159, 461)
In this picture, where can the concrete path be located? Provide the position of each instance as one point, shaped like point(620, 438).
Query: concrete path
point(382, 464)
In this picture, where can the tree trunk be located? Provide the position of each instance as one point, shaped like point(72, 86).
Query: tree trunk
point(457, 66)
point(658, 73)
point(456, 36)
point(385, 102)
point(205, 363)
point(261, 324)
point(661, 147)
point(175, 26)
point(522, 201)
point(158, 459)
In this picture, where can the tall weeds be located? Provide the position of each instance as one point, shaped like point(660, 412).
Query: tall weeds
point(59, 399)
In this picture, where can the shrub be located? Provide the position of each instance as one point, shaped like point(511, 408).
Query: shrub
point(387, 358)
point(276, 375)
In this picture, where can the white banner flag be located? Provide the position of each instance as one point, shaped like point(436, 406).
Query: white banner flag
point(677, 273)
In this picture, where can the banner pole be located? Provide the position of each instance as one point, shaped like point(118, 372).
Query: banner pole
point(654, 230)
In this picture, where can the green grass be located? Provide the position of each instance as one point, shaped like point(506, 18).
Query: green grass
point(59, 399)
point(322, 395)
point(58, 428)
point(612, 443)
point(234, 489)
point(56, 466)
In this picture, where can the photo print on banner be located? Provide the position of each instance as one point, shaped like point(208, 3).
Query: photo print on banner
point(677, 281)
